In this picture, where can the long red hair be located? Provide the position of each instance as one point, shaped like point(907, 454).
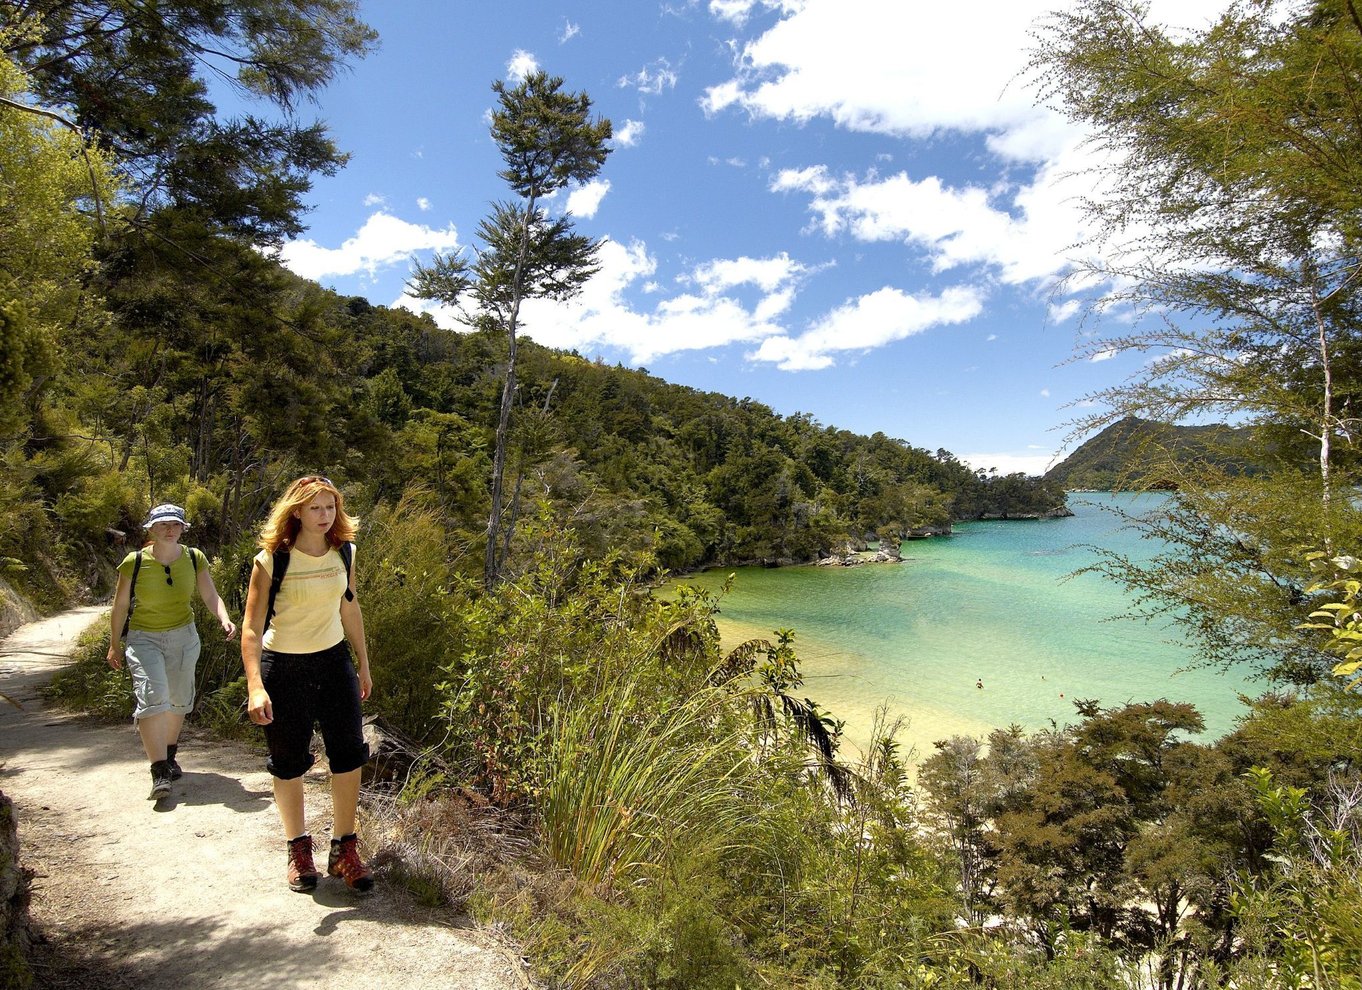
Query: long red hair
point(281, 528)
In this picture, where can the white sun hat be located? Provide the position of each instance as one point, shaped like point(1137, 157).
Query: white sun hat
point(166, 513)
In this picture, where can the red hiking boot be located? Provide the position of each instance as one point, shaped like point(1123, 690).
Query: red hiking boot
point(302, 873)
point(344, 862)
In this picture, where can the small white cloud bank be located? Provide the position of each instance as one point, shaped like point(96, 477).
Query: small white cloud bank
point(652, 79)
point(521, 65)
point(871, 321)
point(629, 133)
point(1010, 463)
point(383, 241)
point(585, 200)
point(724, 302)
point(721, 303)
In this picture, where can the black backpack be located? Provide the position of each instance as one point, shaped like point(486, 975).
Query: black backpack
point(132, 591)
point(281, 557)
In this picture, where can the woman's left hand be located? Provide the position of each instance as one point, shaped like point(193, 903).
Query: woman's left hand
point(366, 683)
point(228, 629)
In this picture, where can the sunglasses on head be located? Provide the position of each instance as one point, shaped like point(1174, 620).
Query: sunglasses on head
point(317, 477)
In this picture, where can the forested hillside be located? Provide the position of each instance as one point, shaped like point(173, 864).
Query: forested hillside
point(1140, 453)
point(208, 382)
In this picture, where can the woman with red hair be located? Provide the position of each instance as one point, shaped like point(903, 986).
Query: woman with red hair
point(301, 625)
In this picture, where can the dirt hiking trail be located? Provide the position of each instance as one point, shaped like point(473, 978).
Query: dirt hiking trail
point(189, 891)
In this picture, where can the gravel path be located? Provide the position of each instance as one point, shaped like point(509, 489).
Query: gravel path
point(190, 891)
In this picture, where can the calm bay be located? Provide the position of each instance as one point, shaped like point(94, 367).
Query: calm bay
point(993, 604)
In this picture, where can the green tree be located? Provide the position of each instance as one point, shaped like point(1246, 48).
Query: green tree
point(1229, 221)
point(50, 184)
point(133, 74)
point(547, 140)
point(47, 200)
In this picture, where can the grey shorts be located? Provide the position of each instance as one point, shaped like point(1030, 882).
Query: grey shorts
point(162, 667)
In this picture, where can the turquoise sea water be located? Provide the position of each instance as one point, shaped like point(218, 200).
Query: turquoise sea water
point(991, 603)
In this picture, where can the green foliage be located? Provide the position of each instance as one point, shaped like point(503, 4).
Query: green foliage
point(1228, 229)
point(547, 139)
point(223, 711)
point(1142, 454)
point(1339, 618)
point(671, 934)
point(96, 504)
point(628, 777)
point(1310, 903)
point(414, 612)
point(555, 635)
point(135, 75)
point(89, 684)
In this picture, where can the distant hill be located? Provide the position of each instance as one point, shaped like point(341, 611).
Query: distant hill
point(1140, 453)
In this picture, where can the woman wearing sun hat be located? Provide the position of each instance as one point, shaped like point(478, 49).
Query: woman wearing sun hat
point(151, 608)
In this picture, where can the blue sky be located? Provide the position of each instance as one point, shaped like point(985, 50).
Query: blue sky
point(848, 208)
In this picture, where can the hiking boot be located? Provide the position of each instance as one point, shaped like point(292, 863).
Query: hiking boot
point(160, 780)
point(175, 772)
point(344, 862)
point(302, 873)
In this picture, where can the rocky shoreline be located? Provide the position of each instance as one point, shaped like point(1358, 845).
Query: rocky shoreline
point(854, 552)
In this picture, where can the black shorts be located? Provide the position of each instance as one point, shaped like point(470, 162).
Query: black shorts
point(307, 689)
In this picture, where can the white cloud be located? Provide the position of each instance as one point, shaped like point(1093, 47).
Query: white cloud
point(898, 68)
point(521, 65)
point(423, 203)
point(1009, 463)
point(991, 337)
point(1106, 355)
point(736, 11)
point(1024, 233)
point(768, 274)
point(374, 199)
point(585, 200)
point(383, 241)
point(570, 31)
point(1060, 312)
point(881, 66)
point(652, 79)
point(629, 133)
point(723, 302)
point(873, 320)
point(1045, 393)
point(733, 301)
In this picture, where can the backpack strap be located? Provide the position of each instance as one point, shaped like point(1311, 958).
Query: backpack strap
point(280, 559)
point(347, 553)
point(194, 556)
point(132, 593)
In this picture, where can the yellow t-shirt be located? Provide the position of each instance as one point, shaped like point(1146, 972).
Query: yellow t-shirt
point(307, 608)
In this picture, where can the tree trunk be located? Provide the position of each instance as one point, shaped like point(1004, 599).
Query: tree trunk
point(492, 560)
point(1326, 425)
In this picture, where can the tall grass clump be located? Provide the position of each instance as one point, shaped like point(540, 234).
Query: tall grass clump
point(562, 633)
point(415, 602)
point(626, 781)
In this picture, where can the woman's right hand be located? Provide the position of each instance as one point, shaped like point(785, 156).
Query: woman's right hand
point(115, 655)
point(259, 708)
